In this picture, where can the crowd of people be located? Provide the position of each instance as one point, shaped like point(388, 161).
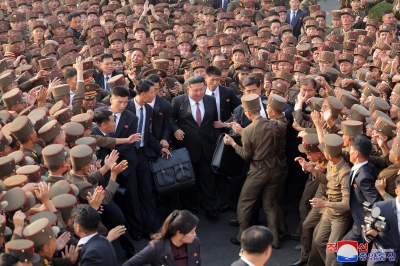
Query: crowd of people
point(94, 91)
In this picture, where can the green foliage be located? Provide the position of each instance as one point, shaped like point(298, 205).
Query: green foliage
point(376, 11)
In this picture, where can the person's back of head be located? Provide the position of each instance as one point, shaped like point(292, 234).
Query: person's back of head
point(8, 259)
point(256, 244)
point(86, 218)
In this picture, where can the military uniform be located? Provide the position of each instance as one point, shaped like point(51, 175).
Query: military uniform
point(233, 5)
point(262, 141)
point(260, 14)
point(305, 5)
point(236, 85)
point(281, 3)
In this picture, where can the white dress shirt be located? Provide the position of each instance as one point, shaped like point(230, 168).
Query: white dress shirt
point(263, 112)
point(247, 262)
point(152, 102)
point(398, 212)
point(355, 170)
point(105, 80)
point(193, 107)
point(85, 239)
point(117, 117)
point(137, 107)
point(216, 95)
point(291, 15)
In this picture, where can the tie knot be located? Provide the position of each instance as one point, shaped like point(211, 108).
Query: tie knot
point(141, 108)
point(107, 78)
point(197, 103)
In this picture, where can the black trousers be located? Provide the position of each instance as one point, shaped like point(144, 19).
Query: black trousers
point(111, 217)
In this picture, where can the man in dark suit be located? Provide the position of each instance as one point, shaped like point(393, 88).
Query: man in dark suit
point(107, 71)
point(96, 249)
point(192, 118)
point(148, 148)
point(225, 97)
point(294, 17)
point(256, 246)
point(362, 181)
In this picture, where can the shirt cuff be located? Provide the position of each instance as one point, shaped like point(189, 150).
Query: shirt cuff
point(79, 81)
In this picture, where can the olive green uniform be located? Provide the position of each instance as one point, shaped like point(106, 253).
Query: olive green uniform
point(390, 175)
point(305, 5)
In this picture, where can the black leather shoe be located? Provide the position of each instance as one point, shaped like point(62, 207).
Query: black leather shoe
point(295, 237)
point(233, 222)
point(130, 253)
point(136, 237)
point(224, 208)
point(298, 263)
point(212, 215)
point(235, 241)
point(284, 237)
point(194, 210)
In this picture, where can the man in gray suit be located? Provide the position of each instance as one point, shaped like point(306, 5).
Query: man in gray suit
point(256, 246)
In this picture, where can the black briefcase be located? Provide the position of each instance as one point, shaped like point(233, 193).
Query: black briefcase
point(173, 174)
point(225, 160)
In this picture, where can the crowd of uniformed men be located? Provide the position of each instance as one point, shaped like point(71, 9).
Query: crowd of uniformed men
point(92, 91)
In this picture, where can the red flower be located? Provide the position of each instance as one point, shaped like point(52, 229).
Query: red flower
point(228, 100)
point(126, 126)
point(159, 113)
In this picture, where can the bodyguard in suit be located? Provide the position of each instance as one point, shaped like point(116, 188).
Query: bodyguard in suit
point(361, 182)
point(148, 148)
point(192, 118)
point(225, 97)
point(294, 17)
point(107, 71)
point(96, 249)
point(256, 246)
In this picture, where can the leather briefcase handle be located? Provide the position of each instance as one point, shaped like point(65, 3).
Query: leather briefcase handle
point(181, 166)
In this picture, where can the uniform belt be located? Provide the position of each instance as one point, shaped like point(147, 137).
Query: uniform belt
point(268, 156)
point(334, 200)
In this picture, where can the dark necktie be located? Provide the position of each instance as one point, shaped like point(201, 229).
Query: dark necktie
point(293, 18)
point(351, 179)
point(213, 94)
point(107, 86)
point(198, 115)
point(137, 143)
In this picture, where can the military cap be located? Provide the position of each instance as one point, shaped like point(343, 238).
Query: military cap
point(15, 17)
point(53, 154)
point(51, 216)
point(73, 131)
point(310, 143)
point(369, 90)
point(318, 34)
point(208, 10)
point(96, 51)
point(222, 64)
point(372, 22)
point(147, 41)
point(289, 39)
point(258, 64)
point(335, 105)
point(7, 117)
point(27, 110)
point(315, 104)
point(320, 13)
point(71, 2)
point(21, 127)
point(18, 200)
point(363, 39)
point(40, 231)
point(395, 46)
point(362, 52)
point(283, 57)
point(222, 15)
point(65, 203)
point(283, 75)
point(382, 46)
point(98, 34)
point(311, 23)
point(18, 180)
point(358, 113)
point(347, 11)
point(333, 144)
point(336, 38)
point(46, 63)
point(57, 107)
point(376, 64)
point(91, 90)
point(243, 68)
point(7, 165)
point(39, 24)
point(140, 47)
point(385, 28)
point(155, 26)
point(361, 74)
point(347, 45)
point(49, 131)
point(160, 67)
point(384, 125)
point(301, 68)
point(279, 86)
point(352, 128)
point(27, 73)
point(226, 41)
point(18, 157)
point(117, 81)
point(4, 141)
point(378, 104)
point(303, 49)
point(23, 248)
point(63, 115)
point(4, 230)
point(15, 38)
point(62, 187)
point(280, 9)
point(60, 90)
point(160, 37)
point(326, 56)
point(81, 155)
point(116, 36)
point(350, 36)
point(63, 62)
point(90, 141)
point(198, 63)
point(346, 58)
point(396, 146)
point(250, 102)
point(128, 46)
point(266, 24)
point(93, 41)
point(33, 172)
point(348, 99)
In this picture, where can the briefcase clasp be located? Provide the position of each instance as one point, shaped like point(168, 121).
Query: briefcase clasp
point(163, 172)
point(181, 166)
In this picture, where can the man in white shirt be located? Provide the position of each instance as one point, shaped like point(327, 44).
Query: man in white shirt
point(108, 71)
point(256, 247)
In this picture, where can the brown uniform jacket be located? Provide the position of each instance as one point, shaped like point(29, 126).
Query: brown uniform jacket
point(78, 98)
point(336, 180)
point(88, 183)
point(390, 174)
point(258, 140)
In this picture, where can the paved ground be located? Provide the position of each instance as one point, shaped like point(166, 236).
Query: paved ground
point(218, 251)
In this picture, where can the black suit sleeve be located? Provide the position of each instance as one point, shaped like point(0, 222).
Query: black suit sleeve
point(132, 123)
point(152, 140)
point(234, 100)
point(175, 105)
point(166, 131)
point(367, 185)
point(217, 131)
point(91, 257)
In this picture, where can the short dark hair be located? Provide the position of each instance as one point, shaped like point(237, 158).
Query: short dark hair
point(308, 81)
point(104, 56)
point(153, 78)
point(86, 217)
point(256, 239)
point(120, 92)
point(73, 15)
point(212, 70)
point(385, 12)
point(102, 116)
point(219, 54)
point(195, 80)
point(363, 145)
point(251, 81)
point(8, 259)
point(54, 167)
point(397, 181)
point(70, 73)
point(143, 86)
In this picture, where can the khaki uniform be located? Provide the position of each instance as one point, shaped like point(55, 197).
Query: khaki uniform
point(88, 183)
point(261, 141)
point(202, 2)
point(305, 5)
point(78, 98)
point(390, 174)
point(52, 179)
point(233, 5)
point(227, 82)
point(260, 15)
point(206, 57)
point(33, 154)
point(281, 3)
point(334, 221)
point(238, 88)
point(140, 70)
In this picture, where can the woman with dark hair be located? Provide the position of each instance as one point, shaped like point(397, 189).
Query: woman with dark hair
point(175, 244)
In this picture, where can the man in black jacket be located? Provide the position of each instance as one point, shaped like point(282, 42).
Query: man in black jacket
point(192, 118)
point(107, 71)
point(295, 16)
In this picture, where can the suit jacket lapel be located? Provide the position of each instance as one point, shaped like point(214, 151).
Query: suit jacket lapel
point(121, 124)
point(188, 110)
point(207, 109)
point(168, 252)
point(222, 98)
point(156, 107)
point(101, 80)
point(297, 17)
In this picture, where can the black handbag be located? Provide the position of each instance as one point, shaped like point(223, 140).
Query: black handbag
point(173, 174)
point(225, 160)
